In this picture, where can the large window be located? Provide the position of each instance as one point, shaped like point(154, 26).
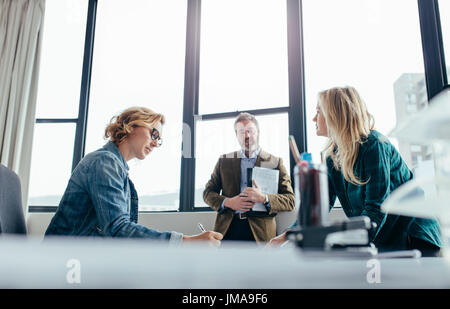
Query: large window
point(202, 62)
point(217, 137)
point(57, 100)
point(139, 61)
point(51, 163)
point(373, 45)
point(243, 63)
point(62, 58)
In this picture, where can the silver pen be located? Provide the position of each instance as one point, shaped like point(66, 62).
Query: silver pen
point(200, 226)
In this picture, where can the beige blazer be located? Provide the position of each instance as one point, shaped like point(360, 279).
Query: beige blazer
point(226, 182)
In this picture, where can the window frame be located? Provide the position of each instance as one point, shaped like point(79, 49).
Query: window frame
point(295, 110)
point(435, 75)
point(433, 47)
point(81, 121)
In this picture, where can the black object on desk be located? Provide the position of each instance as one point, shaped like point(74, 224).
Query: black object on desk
point(319, 237)
point(313, 229)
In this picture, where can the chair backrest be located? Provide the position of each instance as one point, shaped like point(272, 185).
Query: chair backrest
point(12, 220)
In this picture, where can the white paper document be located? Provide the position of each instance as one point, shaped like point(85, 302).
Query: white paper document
point(267, 181)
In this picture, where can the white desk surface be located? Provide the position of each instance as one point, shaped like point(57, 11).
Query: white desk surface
point(145, 264)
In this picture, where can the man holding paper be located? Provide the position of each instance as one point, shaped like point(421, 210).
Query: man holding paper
point(248, 187)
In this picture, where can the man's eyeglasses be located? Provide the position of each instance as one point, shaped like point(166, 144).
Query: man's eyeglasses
point(250, 131)
point(155, 136)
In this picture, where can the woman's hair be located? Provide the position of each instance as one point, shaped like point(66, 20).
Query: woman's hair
point(121, 126)
point(348, 123)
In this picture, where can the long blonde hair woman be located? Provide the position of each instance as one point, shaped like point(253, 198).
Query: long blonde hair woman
point(349, 124)
point(364, 168)
point(100, 199)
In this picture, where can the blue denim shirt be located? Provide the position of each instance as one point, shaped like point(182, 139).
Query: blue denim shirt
point(100, 200)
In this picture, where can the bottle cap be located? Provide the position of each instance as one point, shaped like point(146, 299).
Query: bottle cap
point(306, 156)
point(304, 163)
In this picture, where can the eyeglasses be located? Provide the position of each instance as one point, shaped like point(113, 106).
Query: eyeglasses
point(155, 136)
point(250, 131)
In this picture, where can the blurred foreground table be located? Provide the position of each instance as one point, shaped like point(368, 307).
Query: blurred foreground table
point(107, 263)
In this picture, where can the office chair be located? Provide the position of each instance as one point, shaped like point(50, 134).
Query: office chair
point(12, 220)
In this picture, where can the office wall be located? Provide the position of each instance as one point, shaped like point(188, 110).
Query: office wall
point(185, 222)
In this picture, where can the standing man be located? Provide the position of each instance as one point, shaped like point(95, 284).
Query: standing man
point(228, 194)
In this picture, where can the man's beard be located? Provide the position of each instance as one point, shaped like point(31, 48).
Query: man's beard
point(251, 146)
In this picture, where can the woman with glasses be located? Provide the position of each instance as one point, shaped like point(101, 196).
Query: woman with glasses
point(100, 199)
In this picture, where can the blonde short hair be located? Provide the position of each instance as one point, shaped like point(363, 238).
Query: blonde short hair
point(121, 126)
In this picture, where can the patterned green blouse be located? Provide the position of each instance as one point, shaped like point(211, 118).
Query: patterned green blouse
point(380, 163)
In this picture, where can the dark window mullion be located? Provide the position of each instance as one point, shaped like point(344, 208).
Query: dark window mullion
point(190, 106)
point(433, 47)
point(80, 134)
point(42, 209)
point(257, 112)
point(297, 114)
point(56, 120)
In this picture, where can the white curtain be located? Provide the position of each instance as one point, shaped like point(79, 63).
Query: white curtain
point(20, 43)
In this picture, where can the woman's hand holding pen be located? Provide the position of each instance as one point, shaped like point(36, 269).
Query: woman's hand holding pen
point(213, 238)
